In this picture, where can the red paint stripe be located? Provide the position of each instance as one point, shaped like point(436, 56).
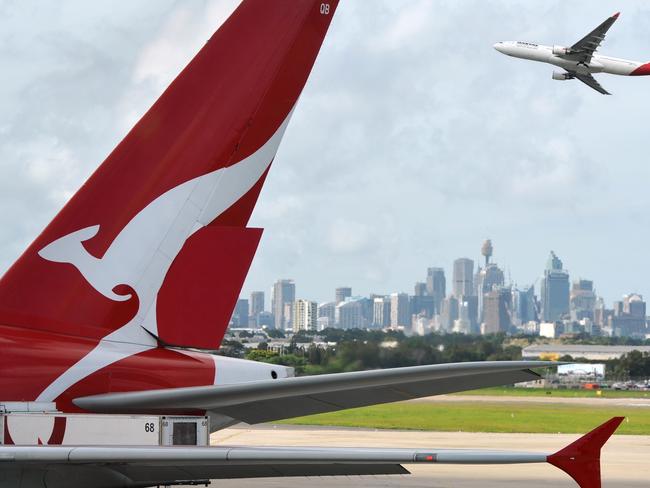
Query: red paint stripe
point(643, 70)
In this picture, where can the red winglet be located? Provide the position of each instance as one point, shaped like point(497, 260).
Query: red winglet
point(581, 460)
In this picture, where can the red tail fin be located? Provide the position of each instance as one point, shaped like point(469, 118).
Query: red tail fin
point(581, 460)
point(197, 159)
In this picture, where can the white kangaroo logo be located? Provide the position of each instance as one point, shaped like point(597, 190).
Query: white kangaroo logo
point(144, 250)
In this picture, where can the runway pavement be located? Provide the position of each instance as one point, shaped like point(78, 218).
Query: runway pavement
point(625, 458)
point(599, 402)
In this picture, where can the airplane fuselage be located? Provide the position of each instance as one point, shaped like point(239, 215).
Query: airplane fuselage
point(598, 64)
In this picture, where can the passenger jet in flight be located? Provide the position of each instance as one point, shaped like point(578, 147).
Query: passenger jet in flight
point(116, 307)
point(580, 61)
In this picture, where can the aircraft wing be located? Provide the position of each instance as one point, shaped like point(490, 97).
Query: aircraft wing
point(282, 398)
point(590, 81)
point(584, 49)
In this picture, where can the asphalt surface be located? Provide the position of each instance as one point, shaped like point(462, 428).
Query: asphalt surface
point(624, 459)
point(601, 402)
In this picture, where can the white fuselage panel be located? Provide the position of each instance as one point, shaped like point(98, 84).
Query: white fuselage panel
point(544, 54)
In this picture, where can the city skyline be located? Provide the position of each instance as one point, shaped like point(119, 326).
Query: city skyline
point(450, 285)
point(480, 301)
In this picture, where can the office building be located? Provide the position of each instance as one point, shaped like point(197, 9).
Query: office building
point(381, 312)
point(487, 279)
point(497, 312)
point(422, 305)
point(463, 285)
point(305, 315)
point(524, 306)
point(342, 293)
point(420, 289)
point(582, 300)
point(400, 315)
point(256, 303)
point(265, 319)
point(284, 293)
point(240, 315)
point(328, 310)
point(448, 313)
point(350, 314)
point(554, 290)
point(629, 317)
point(436, 286)
point(462, 325)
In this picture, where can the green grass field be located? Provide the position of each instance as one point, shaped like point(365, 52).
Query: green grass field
point(484, 417)
point(535, 392)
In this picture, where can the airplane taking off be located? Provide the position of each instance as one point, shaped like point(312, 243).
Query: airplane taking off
point(108, 318)
point(579, 61)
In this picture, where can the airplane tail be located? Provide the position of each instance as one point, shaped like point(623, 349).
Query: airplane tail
point(157, 236)
point(581, 459)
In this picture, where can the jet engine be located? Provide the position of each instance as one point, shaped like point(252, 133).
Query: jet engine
point(561, 75)
point(561, 50)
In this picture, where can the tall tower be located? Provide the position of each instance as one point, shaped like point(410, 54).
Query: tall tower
point(436, 286)
point(487, 278)
point(463, 285)
point(486, 251)
point(555, 290)
point(256, 303)
point(284, 292)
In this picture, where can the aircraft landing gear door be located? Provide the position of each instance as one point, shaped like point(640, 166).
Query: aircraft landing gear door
point(184, 431)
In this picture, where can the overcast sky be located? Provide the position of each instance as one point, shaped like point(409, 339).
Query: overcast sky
point(414, 139)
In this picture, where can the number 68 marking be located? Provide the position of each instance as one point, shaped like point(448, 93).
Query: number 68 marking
point(325, 8)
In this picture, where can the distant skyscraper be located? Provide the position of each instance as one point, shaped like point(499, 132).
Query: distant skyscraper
point(497, 311)
point(525, 305)
point(448, 313)
point(420, 289)
point(555, 290)
point(400, 315)
point(436, 286)
point(381, 312)
point(288, 315)
point(342, 293)
point(284, 292)
point(487, 279)
point(463, 325)
point(422, 305)
point(328, 310)
point(305, 315)
point(350, 314)
point(256, 303)
point(629, 319)
point(582, 300)
point(634, 305)
point(471, 304)
point(240, 317)
point(265, 319)
point(463, 278)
